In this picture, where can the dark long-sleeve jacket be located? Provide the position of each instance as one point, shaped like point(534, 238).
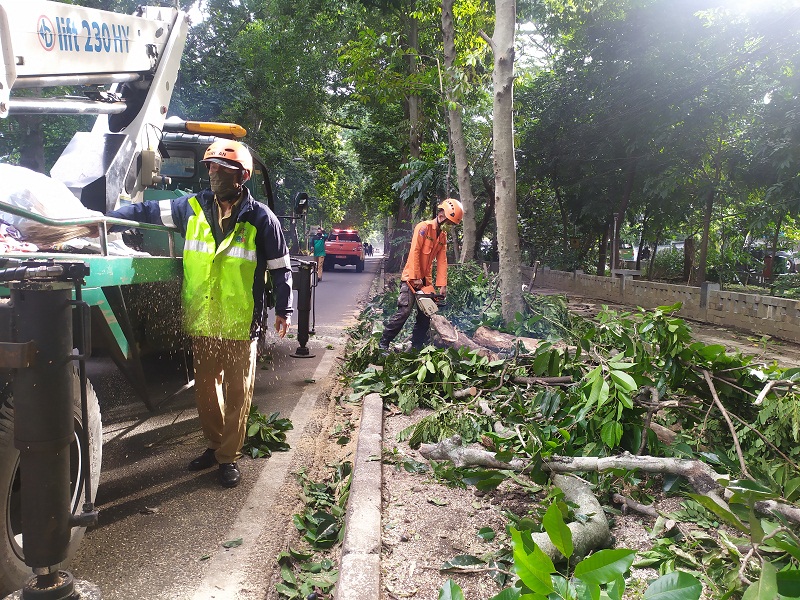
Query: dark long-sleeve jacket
point(272, 254)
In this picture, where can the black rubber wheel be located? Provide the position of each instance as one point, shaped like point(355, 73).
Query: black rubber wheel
point(13, 570)
point(360, 266)
point(327, 264)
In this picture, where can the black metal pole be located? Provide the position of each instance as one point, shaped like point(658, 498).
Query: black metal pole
point(44, 425)
point(303, 286)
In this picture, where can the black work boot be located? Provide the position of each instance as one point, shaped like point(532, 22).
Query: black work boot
point(204, 461)
point(229, 475)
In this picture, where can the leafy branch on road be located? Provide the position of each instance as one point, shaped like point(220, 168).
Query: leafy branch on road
point(321, 525)
point(265, 434)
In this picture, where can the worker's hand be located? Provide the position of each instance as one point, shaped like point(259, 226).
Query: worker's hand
point(443, 290)
point(282, 325)
point(416, 283)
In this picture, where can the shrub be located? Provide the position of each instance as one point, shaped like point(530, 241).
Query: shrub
point(668, 264)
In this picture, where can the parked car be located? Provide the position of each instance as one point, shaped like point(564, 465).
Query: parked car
point(344, 247)
point(785, 261)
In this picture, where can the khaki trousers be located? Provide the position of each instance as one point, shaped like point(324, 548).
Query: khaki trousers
point(320, 262)
point(224, 378)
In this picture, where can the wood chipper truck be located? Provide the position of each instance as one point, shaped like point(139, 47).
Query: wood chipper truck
point(58, 306)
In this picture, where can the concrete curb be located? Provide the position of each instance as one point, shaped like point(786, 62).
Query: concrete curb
point(360, 569)
point(360, 565)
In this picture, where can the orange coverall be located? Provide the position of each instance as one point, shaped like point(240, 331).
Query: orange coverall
point(426, 246)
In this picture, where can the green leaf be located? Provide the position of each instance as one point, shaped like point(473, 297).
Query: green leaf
point(557, 530)
point(766, 588)
point(751, 489)
point(711, 352)
point(597, 384)
point(624, 381)
point(508, 594)
point(484, 479)
point(232, 543)
point(450, 591)
point(611, 434)
point(288, 575)
point(533, 568)
point(621, 366)
point(604, 393)
point(789, 583)
point(674, 586)
point(726, 515)
point(487, 534)
point(604, 566)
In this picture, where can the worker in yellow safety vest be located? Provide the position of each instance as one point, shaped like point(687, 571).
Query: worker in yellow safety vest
point(231, 243)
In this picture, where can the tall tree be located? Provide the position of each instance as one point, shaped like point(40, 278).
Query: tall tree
point(457, 135)
point(502, 45)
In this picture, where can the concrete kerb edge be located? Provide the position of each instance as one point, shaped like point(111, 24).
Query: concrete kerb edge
point(359, 569)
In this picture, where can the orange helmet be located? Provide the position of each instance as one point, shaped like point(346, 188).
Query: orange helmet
point(229, 153)
point(452, 210)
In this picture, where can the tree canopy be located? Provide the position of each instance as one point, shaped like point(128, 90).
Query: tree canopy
point(678, 116)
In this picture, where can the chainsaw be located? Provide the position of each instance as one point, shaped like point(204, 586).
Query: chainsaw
point(428, 301)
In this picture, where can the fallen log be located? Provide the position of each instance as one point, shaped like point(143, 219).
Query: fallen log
point(497, 340)
point(700, 476)
point(587, 535)
point(453, 449)
point(444, 334)
point(505, 342)
point(465, 393)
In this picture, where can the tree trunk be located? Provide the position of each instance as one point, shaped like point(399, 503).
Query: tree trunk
point(642, 237)
point(774, 247)
point(564, 223)
point(602, 253)
point(709, 210)
point(502, 44)
point(488, 213)
point(469, 240)
point(688, 260)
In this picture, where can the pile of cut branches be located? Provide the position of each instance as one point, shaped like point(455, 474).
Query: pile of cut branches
point(622, 393)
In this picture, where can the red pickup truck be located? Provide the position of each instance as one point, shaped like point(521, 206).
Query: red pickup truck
point(344, 247)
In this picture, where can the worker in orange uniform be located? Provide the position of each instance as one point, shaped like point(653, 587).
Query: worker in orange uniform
point(428, 244)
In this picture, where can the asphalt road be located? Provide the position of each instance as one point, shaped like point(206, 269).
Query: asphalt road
point(162, 528)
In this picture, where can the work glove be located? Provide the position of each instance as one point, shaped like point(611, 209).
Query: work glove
point(443, 290)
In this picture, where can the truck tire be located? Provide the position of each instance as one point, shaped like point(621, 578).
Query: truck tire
point(327, 264)
point(360, 266)
point(13, 570)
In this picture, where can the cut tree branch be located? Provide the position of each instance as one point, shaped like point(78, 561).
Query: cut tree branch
point(700, 476)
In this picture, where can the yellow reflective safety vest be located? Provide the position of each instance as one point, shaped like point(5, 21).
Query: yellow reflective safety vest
point(218, 281)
